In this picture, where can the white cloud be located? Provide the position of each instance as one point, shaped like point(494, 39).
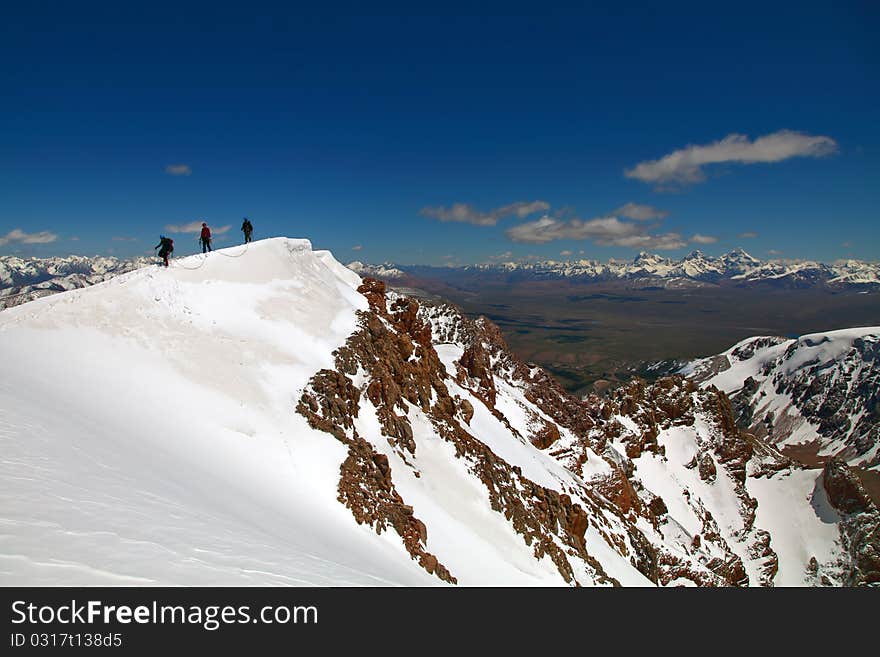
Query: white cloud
point(685, 166)
point(507, 255)
point(195, 227)
point(604, 231)
point(357, 247)
point(21, 237)
point(640, 212)
point(523, 209)
point(566, 253)
point(467, 214)
point(748, 235)
point(178, 170)
point(548, 229)
point(774, 252)
point(124, 239)
point(703, 239)
point(662, 242)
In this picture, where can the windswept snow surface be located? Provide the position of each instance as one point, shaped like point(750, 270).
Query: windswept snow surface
point(149, 436)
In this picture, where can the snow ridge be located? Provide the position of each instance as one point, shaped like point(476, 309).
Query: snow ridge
point(263, 415)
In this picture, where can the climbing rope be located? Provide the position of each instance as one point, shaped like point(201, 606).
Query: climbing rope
point(180, 265)
point(226, 255)
point(205, 259)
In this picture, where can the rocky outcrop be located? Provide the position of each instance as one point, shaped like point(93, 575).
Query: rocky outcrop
point(392, 355)
point(844, 489)
point(649, 410)
point(365, 485)
point(860, 526)
point(590, 426)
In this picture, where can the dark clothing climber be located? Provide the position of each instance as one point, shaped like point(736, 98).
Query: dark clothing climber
point(166, 248)
point(247, 228)
point(205, 238)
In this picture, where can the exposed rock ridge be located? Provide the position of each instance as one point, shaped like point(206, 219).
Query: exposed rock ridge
point(860, 526)
point(392, 358)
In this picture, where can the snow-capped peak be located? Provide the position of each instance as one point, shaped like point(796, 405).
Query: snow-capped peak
point(735, 267)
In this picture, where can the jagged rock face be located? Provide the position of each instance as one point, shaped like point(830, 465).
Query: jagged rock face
point(393, 356)
point(860, 527)
point(842, 400)
point(659, 474)
point(640, 416)
point(822, 389)
point(845, 491)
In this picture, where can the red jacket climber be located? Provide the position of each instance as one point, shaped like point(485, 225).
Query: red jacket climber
point(205, 238)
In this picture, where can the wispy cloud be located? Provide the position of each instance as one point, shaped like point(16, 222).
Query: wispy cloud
point(467, 214)
point(703, 239)
point(640, 212)
point(604, 231)
point(357, 247)
point(178, 170)
point(686, 166)
point(195, 227)
point(566, 253)
point(748, 235)
point(17, 235)
point(662, 242)
point(499, 257)
point(119, 238)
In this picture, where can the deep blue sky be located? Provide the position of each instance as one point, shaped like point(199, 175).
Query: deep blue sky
point(341, 126)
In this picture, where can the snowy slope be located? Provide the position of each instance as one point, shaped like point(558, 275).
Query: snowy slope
point(820, 390)
point(26, 279)
point(150, 437)
point(148, 433)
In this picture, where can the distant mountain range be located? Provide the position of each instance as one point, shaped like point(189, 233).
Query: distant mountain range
point(734, 268)
point(25, 279)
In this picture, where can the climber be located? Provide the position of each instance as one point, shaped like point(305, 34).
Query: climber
point(247, 228)
point(205, 238)
point(166, 247)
